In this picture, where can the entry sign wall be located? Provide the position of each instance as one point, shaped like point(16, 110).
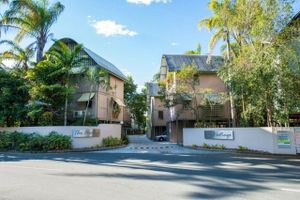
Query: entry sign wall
point(219, 134)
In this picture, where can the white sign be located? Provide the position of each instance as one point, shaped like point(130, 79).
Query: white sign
point(283, 139)
point(219, 134)
point(83, 133)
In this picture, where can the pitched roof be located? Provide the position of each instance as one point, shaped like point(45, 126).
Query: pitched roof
point(177, 62)
point(99, 60)
point(153, 89)
point(105, 64)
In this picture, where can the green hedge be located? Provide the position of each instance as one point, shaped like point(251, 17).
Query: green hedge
point(17, 141)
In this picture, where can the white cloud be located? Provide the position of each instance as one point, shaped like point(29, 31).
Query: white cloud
point(174, 44)
point(148, 2)
point(111, 28)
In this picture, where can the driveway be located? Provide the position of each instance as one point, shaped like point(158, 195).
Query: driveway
point(141, 144)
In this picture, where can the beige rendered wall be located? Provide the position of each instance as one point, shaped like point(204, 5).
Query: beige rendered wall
point(106, 130)
point(158, 106)
point(104, 100)
point(207, 81)
point(261, 139)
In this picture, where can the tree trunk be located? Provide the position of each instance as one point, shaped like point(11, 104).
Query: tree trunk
point(66, 103)
point(269, 117)
point(232, 106)
point(87, 105)
point(66, 111)
point(40, 49)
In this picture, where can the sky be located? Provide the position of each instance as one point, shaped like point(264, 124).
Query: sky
point(134, 34)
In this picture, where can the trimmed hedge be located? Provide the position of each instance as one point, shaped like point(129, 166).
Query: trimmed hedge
point(17, 141)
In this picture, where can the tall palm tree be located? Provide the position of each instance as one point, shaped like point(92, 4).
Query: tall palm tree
point(98, 77)
point(69, 59)
point(221, 22)
point(21, 56)
point(32, 18)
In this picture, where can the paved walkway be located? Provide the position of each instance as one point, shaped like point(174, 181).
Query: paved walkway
point(141, 144)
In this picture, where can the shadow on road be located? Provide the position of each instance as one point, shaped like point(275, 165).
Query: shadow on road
point(218, 175)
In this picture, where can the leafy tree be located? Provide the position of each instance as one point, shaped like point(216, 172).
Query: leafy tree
point(32, 18)
point(136, 102)
point(51, 77)
point(261, 67)
point(190, 95)
point(13, 98)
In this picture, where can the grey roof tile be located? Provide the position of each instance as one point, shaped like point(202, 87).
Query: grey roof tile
point(177, 62)
point(98, 60)
point(105, 64)
point(153, 89)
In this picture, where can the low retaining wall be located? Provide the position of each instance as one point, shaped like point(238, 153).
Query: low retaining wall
point(82, 136)
point(272, 140)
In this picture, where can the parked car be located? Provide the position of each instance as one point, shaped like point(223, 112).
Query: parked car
point(162, 137)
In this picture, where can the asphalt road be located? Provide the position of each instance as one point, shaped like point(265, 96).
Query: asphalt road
point(89, 176)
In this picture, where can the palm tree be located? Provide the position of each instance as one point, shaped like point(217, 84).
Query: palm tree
point(34, 19)
point(98, 77)
point(221, 22)
point(69, 59)
point(21, 56)
point(197, 51)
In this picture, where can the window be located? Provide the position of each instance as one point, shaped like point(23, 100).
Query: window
point(161, 115)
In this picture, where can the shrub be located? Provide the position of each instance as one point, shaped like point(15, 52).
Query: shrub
point(206, 146)
point(194, 146)
point(125, 139)
point(242, 148)
point(58, 142)
point(34, 142)
point(111, 141)
point(4, 141)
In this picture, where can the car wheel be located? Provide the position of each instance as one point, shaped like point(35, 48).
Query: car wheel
point(161, 139)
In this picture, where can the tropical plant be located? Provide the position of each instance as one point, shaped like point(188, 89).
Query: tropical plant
point(32, 18)
point(51, 77)
point(197, 51)
point(111, 141)
point(98, 77)
point(68, 59)
point(13, 98)
point(255, 55)
point(19, 141)
point(221, 23)
point(21, 57)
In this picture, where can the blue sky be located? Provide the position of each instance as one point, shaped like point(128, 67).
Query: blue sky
point(133, 34)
